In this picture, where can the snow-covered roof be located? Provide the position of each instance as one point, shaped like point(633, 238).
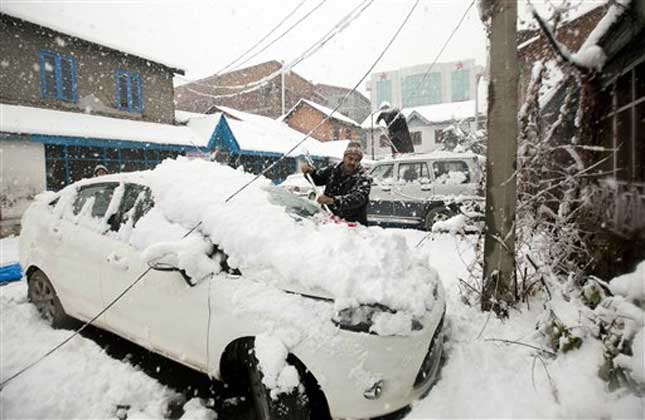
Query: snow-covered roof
point(264, 134)
point(434, 113)
point(260, 134)
point(589, 54)
point(29, 120)
point(438, 154)
point(87, 35)
point(326, 111)
point(184, 116)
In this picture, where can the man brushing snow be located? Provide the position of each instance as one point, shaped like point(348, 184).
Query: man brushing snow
point(347, 186)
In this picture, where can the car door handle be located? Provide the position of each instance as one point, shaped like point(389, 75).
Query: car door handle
point(424, 188)
point(386, 188)
point(118, 261)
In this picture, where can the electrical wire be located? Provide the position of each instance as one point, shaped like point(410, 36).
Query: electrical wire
point(86, 324)
point(291, 13)
point(282, 35)
point(340, 103)
point(445, 45)
point(311, 50)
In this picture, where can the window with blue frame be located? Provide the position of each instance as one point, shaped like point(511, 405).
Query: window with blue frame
point(128, 91)
point(460, 85)
point(67, 163)
point(58, 76)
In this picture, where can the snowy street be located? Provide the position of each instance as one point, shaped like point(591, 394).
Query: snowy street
point(84, 380)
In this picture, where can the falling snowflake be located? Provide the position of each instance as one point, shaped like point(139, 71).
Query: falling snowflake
point(60, 41)
point(4, 63)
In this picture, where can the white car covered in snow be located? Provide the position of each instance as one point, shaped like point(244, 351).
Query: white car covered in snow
point(315, 318)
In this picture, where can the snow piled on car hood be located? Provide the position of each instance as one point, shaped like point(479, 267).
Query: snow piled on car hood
point(352, 265)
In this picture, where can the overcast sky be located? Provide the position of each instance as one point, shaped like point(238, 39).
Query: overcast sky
point(202, 36)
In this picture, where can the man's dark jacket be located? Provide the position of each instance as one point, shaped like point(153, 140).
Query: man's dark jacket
point(398, 130)
point(351, 192)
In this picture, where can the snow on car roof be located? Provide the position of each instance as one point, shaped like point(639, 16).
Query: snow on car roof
point(30, 120)
point(353, 265)
point(439, 154)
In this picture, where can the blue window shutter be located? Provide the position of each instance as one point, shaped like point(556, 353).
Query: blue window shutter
point(59, 79)
point(139, 94)
point(117, 75)
point(129, 90)
point(49, 84)
point(74, 81)
point(43, 87)
point(67, 79)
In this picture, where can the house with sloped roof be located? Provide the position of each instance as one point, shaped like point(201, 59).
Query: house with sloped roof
point(257, 89)
point(69, 103)
point(322, 122)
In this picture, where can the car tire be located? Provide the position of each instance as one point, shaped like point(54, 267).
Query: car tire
point(288, 406)
point(436, 214)
point(43, 295)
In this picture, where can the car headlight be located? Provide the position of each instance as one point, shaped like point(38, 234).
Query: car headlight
point(361, 318)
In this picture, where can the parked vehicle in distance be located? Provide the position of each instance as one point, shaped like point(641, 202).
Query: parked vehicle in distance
point(297, 184)
point(214, 296)
point(420, 189)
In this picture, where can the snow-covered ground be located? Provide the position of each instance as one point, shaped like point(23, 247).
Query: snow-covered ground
point(481, 378)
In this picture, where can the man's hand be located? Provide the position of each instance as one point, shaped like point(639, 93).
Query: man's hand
point(325, 199)
point(307, 168)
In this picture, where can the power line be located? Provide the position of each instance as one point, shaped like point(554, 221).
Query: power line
point(303, 18)
point(295, 9)
point(445, 44)
point(86, 324)
point(255, 85)
point(340, 103)
point(282, 35)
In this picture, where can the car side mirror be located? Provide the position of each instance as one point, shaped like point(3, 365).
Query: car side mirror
point(168, 262)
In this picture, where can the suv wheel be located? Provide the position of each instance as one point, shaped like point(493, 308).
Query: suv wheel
point(436, 214)
point(42, 294)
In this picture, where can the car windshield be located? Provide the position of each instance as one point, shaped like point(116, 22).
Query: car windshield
point(293, 204)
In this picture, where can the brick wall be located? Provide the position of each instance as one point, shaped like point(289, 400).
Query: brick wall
point(305, 118)
point(535, 47)
point(266, 100)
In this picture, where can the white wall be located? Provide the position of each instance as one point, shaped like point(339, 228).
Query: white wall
point(445, 69)
point(22, 176)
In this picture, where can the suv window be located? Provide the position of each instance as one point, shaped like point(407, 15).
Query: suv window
point(382, 172)
point(409, 172)
point(137, 201)
point(451, 172)
point(101, 194)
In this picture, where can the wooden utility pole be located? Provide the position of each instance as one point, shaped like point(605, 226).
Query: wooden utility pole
point(501, 164)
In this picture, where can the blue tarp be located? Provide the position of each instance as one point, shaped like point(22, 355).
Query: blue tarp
point(11, 272)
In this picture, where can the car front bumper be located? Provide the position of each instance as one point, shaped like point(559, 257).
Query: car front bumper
point(365, 375)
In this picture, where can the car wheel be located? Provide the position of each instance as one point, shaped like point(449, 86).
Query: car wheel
point(437, 214)
point(43, 295)
point(288, 406)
